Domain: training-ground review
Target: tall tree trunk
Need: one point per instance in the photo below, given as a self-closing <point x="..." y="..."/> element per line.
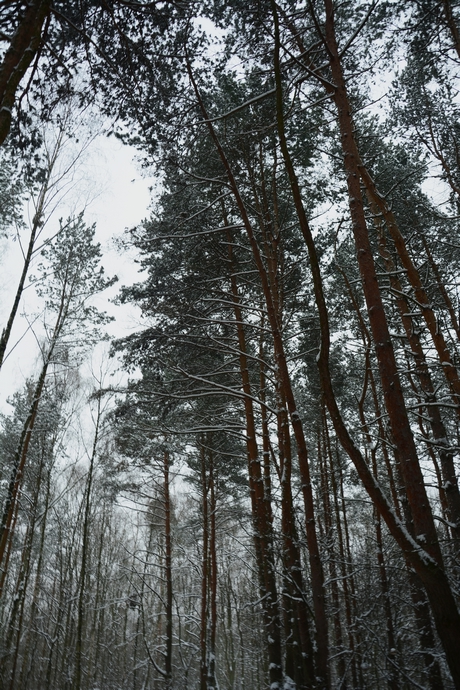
<point x="15" y="627"/>
<point x="450" y="484"/>
<point x="37" y="222"/>
<point x="26" y="435"/>
<point x="266" y="443"/>
<point x="31" y="643"/>
<point x="315" y="559"/>
<point x="204" y="572"/>
<point x="81" y="612"/>
<point x="428" y="567"/>
<point x="212" y="684"/>
<point x="343" y="571"/>
<point x="339" y="654"/>
<point x="260" y="503"/>
<point x="6" y="528"/>
<point x="452" y="25"/>
<point x="440" y="284"/>
<point x="419" y="601"/>
<point x="22" y="50"/>
<point x="317" y="577"/>
<point x="299" y="648"/>
<point x="448" y="367"/>
<point x="445" y="611"/>
<point x="168" y="570"/>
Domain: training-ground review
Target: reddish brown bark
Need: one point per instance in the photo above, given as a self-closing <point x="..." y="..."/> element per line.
<point x="419" y="600"/>
<point x="421" y="296"/>
<point x="315" y="560"/>
<point x="260" y="503"/>
<point x="394" y="400"/>
<point x="266" y="444"/>
<point x="355" y="168"/>
<point x="23" y="48"/>
<point x="441" y="286"/>
<point x="420" y="605"/>
<point x="299" y="650"/>
<point x="452" y="26"/>
<point x="449" y="483"/>
<point x="370" y="380"/>
<point x="435" y="580"/>
<point x="427" y="558"/>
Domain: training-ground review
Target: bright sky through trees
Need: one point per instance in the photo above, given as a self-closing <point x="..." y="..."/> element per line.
<point x="116" y="196"/>
<point x="265" y="496"/>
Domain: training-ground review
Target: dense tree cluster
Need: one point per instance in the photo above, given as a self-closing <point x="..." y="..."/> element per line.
<point x="271" y="499"/>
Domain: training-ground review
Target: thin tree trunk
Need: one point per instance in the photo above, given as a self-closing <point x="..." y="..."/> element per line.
<point x="351" y="575"/>
<point x="204" y="573"/>
<point x="212" y="685"/>
<point x="15" y="630"/>
<point x="30" y="651"/>
<point x="95" y="634"/>
<point x="168" y="571"/>
<point x="9" y="546"/>
<point x="6" y="528"/>
<point x="35" y="230"/>
<point x="23" y="447"/>
<point x="440" y="284"/>
<point x="266" y="444"/>
<point x="81" y="613"/>
<point x="419" y="600"/>
<point x="332" y="565"/>
<point x="260" y="503"/>
<point x="357" y="168"/>
<point x="299" y="648"/>
<point x="315" y="560"/>
<point x="343" y="572"/>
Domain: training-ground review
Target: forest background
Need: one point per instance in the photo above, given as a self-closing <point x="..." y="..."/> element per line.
<point x="255" y="484"/>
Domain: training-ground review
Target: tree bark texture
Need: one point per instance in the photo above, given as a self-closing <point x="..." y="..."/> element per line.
<point x="24" y="46"/>
<point x="443" y="604"/>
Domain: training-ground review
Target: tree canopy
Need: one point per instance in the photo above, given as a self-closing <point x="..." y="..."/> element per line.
<point x="270" y="497"/>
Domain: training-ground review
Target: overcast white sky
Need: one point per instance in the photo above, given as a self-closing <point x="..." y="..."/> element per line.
<point x="118" y="196"/>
